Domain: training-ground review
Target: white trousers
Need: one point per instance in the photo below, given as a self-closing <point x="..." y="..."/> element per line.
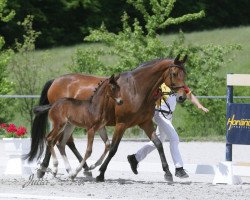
<point x="164" y="129"/>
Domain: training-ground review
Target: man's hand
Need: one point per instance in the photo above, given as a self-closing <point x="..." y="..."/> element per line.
<point x="203" y="108"/>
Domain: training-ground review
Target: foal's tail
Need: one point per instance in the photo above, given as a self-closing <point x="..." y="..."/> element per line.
<point x="38" y="110"/>
<point x="39" y="125"/>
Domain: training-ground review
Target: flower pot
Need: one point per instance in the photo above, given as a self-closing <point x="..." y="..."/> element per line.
<point x="15" y="148"/>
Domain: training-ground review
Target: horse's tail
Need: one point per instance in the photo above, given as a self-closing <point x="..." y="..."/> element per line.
<point x="39" y="126"/>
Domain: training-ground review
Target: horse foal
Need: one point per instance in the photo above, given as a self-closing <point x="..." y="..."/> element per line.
<point x="92" y="114"/>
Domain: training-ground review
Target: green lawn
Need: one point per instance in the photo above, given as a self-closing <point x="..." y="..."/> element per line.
<point x="61" y="57"/>
<point x="224" y="37"/>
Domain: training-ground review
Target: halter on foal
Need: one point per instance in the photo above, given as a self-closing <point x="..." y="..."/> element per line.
<point x="66" y="113"/>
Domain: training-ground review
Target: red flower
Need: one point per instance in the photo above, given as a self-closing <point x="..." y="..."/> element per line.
<point x="12" y="131"/>
<point x="21" y="131"/>
<point x="3" y="125"/>
<point x="12" y="128"/>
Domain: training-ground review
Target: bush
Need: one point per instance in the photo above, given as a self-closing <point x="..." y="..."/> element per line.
<point x="202" y="77"/>
<point x="5" y="55"/>
<point x="27" y="70"/>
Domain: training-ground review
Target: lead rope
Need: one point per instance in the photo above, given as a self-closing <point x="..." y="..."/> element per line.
<point x="164" y="112"/>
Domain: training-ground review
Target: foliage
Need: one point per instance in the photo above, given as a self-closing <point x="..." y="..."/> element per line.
<point x="25" y="69"/>
<point x="5" y="55"/>
<point x="202" y="77"/>
<point x="63" y="22"/>
<point x="136" y="44"/>
<point x="91" y="65"/>
<point x="133" y="45"/>
<point x="11" y="131"/>
<point x="5" y="15"/>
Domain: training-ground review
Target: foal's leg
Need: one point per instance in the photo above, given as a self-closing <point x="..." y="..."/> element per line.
<point x="90" y="135"/>
<point x="58" y="128"/>
<point x="45" y="163"/>
<point x="51" y="143"/>
<point x="105" y="139"/>
<point x="61" y="146"/>
<point x="55" y="160"/>
<point x="148" y="127"/>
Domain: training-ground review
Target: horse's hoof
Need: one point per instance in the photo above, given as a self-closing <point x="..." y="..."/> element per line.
<point x="40" y="173"/>
<point x="54" y="173"/>
<point x="72" y="176"/>
<point x="87" y="173"/>
<point x="100" y="178"/>
<point x="86" y="168"/>
<point x="168" y="177"/>
<point x="92" y="167"/>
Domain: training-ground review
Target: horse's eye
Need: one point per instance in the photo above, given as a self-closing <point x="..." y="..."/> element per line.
<point x="174" y="74"/>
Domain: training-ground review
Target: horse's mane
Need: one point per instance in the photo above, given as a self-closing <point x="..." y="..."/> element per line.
<point x="97" y="88"/>
<point x="151" y="62"/>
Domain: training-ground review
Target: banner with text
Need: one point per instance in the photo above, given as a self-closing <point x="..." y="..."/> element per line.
<point x="238" y="123"/>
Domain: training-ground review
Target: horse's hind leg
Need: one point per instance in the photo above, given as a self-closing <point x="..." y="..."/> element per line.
<point x="67" y="132"/>
<point x="72" y="146"/>
<point x="45" y="163"/>
<point x="148" y="127"/>
<point x="90" y="135"/>
<point x="104" y="136"/>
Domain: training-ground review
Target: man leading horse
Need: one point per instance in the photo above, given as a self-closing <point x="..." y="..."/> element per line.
<point x="137" y="89"/>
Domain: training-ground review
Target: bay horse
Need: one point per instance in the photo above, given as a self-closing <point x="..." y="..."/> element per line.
<point x="92" y="114"/>
<point x="138" y="87"/>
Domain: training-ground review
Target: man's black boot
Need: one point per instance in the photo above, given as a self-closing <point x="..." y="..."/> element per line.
<point x="181" y="173"/>
<point x="133" y="163"/>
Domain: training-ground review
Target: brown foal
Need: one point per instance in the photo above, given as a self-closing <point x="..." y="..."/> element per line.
<point x="92" y="114"/>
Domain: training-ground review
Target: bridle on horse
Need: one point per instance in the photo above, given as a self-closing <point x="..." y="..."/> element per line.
<point x="172" y="91"/>
<point x="164" y="112"/>
<point x="172" y="86"/>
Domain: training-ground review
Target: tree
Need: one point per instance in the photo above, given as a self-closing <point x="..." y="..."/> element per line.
<point x="26" y="68"/>
<point x="5" y="55"/>
<point x="135" y="43"/>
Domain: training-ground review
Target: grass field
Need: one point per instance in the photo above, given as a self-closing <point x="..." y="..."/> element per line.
<point x="224" y="37"/>
<point x="58" y="59"/>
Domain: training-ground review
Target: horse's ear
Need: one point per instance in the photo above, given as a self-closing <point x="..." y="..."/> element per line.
<point x="117" y="77"/>
<point x="176" y="60"/>
<point x="185" y="59"/>
<point x="112" y="79"/>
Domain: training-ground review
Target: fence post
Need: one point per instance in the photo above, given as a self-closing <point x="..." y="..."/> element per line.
<point x="229" y="147"/>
